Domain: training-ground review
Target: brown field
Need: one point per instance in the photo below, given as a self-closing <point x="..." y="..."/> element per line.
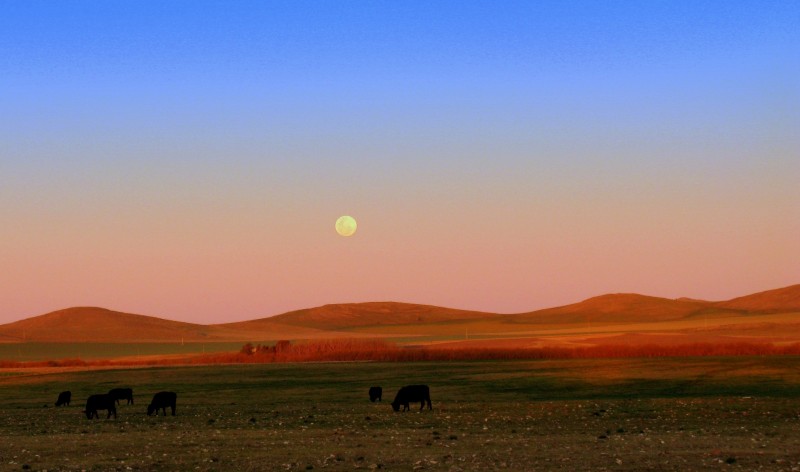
<point x="770" y="318"/>
<point x="622" y="382"/>
<point x="363" y="350"/>
<point x="668" y="414"/>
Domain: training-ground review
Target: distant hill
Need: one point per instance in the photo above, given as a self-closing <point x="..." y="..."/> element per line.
<point x="786" y="299"/>
<point x="91" y="324"/>
<point x="619" y="308"/>
<point x="350" y="315"/>
<point x="766" y="312"/>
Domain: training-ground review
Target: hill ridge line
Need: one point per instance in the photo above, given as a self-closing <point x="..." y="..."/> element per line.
<point x="99" y="324"/>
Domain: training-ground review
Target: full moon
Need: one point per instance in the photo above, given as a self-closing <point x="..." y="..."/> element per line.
<point x="346" y="225"/>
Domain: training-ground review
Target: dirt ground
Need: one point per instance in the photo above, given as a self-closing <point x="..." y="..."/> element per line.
<point x="555" y="415"/>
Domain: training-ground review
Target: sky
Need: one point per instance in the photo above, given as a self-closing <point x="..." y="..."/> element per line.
<point x="188" y="159"/>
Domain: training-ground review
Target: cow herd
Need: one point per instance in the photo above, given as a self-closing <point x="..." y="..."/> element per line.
<point x="163" y="400"/>
<point x="109" y="401"/>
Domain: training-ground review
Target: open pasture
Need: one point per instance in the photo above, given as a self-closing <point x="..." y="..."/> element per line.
<point x="35" y="351"/>
<point x="740" y="413"/>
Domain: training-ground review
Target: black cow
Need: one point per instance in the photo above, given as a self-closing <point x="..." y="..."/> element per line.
<point x="122" y="394"/>
<point x="375" y="394"/>
<point x="64" y="398"/>
<point x="412" y="393"/>
<point x="162" y="400"/>
<point x="101" y="401"/>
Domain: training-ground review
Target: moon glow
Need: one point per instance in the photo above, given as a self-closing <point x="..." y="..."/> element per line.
<point x="346" y="225"/>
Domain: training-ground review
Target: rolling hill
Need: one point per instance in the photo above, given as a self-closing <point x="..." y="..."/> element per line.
<point x="350" y="315"/>
<point x="92" y="324"/>
<point x="767" y="313"/>
<point x="622" y="308"/>
<point x="786" y="299"/>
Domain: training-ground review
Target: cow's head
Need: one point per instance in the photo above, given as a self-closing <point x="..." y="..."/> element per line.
<point x="396" y="406"/>
<point x="89" y="414"/>
<point x="150" y="409"/>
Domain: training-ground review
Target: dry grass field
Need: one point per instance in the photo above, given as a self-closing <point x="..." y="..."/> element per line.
<point x="677" y="414"/>
<point x="771" y="317"/>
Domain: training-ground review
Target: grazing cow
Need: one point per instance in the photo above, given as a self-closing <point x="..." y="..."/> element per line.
<point x="162" y="400"/>
<point x="64" y="398"/>
<point x="412" y="393"/>
<point x="122" y="394"/>
<point x="102" y="401"/>
<point x="375" y="394"/>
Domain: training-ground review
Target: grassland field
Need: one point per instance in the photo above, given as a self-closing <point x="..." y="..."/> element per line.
<point x="737" y="413"/>
<point x="36" y="351"/>
<point x="45" y="351"/>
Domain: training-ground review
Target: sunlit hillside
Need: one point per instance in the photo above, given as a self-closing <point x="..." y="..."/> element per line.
<point x="770" y="316"/>
<point x="784" y="299"/>
<point x="621" y="307"/>
<point x="349" y="315"/>
<point x="91" y="324"/>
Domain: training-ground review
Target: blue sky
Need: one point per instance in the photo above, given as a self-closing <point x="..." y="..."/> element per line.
<point x="465" y="134"/>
